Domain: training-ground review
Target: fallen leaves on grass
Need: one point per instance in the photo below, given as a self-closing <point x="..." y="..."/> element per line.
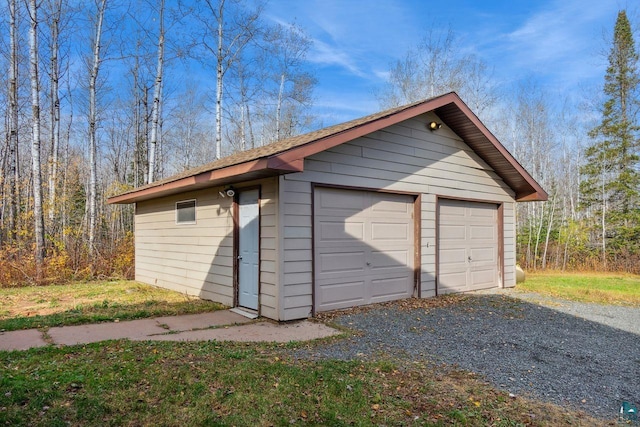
<point x="407" y="304"/>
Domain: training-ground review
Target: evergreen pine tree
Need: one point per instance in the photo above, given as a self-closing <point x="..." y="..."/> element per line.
<point x="611" y="178"/>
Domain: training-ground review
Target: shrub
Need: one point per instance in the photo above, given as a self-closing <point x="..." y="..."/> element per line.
<point x="66" y="260"/>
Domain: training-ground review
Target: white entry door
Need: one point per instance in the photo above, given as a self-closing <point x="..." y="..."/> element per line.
<point x="248" y="249"/>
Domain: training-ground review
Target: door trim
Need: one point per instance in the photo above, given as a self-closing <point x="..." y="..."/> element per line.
<point x="236" y="244"/>
<point x="500" y="220"/>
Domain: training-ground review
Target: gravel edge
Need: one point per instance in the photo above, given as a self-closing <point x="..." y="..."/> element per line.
<point x="585" y="356"/>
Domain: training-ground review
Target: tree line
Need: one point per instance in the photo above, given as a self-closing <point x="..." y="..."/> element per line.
<point x="591" y="172"/>
<point x="102" y="96"/>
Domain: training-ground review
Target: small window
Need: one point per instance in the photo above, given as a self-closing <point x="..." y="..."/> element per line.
<point x="186" y="212"/>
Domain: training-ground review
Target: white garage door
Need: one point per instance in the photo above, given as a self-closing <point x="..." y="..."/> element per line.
<point x="467" y="246"/>
<point x="363" y="247"/>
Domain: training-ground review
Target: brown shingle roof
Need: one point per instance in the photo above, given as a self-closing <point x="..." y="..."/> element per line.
<point x="287" y="155"/>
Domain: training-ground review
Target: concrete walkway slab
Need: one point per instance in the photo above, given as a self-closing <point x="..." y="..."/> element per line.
<point x="85" y="334"/>
<point x="256" y="332"/>
<point x="21" y="340"/>
<point x="222" y="325"/>
<point x="202" y="320"/>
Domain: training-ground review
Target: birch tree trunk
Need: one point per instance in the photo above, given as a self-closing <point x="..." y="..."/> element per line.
<point x="54" y="128"/>
<point x="35" y="143"/>
<point x="219" y="76"/>
<point x="140" y="155"/>
<point x="540" y="226"/>
<point x="64" y="211"/>
<point x="13" y="122"/>
<point x="530" y="215"/>
<point x="93" y="118"/>
<point x="603" y="221"/>
<point x="243" y="137"/>
<point x="279" y="107"/>
<point x="232" y="35"/>
<point x="157" y="97"/>
<point x="549" y="227"/>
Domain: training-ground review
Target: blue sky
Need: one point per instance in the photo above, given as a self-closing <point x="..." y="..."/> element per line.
<point x="557" y="43"/>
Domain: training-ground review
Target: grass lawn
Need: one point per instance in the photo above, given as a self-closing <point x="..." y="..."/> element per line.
<point x="78" y="303"/>
<point x="605" y="288"/>
<point x="210" y="383"/>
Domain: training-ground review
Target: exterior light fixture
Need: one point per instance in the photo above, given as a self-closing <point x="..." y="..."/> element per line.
<point x="434" y="126"/>
<point x="227" y="192"/>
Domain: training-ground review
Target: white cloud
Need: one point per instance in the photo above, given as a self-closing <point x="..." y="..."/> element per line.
<point x="356" y="36"/>
<point x="554" y="42"/>
<point x="563" y="38"/>
<point x="326" y="54"/>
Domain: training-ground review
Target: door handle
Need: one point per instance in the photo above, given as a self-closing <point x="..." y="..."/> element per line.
<point x="469" y="258"/>
<point x="368" y="263"/>
<point x="239" y="257"/>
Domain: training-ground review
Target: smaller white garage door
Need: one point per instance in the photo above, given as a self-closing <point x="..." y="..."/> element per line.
<point x="467" y="246"/>
<point x="363" y="247"/>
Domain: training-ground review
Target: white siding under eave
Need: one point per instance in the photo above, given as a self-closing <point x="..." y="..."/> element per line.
<point x="405" y="157"/>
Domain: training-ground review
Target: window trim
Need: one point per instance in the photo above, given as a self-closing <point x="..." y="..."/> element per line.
<point x="195" y="205"/>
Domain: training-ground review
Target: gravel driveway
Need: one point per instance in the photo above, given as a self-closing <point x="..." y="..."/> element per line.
<point x="542" y="347"/>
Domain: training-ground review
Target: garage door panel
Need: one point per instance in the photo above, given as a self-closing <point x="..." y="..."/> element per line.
<point x="453" y="268"/>
<point x="339" y="201"/>
<point x="341" y="262"/>
<point x="479" y="232"/>
<point x="389" y="288"/>
<point x="389" y="231"/>
<point x="486" y="255"/>
<point x="372" y="240"/>
<point x="452" y="233"/>
<point x="453" y="256"/>
<point x="483" y="278"/>
<point x="451" y="282"/>
<point x="450" y="210"/>
<point x="331" y="231"/>
<point x="481" y="210"/>
<point x="340" y="295"/>
<point x="390" y="204"/>
<point x="467" y="246"/>
<point x="390" y="258"/>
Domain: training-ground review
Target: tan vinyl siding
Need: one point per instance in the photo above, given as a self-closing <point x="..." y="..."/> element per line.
<point x="268" y="249"/>
<point x="296" y="233"/>
<point x="197" y="259"/>
<point x="509" y="245"/>
<point x="428" y="246"/>
<point x="406" y="157"/>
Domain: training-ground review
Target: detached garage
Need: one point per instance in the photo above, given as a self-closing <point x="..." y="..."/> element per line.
<point x="414" y="201"/>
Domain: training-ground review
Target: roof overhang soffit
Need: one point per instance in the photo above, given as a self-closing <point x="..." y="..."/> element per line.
<point x="468" y="126"/>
